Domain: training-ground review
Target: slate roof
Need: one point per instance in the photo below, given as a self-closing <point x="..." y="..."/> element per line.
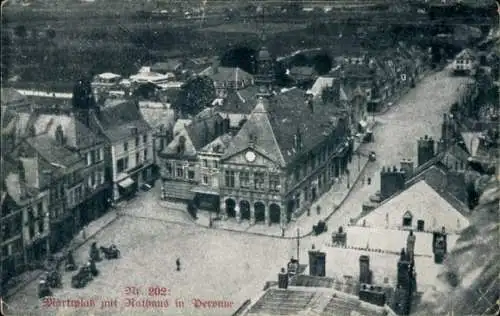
<point x="312" y="301"/>
<point x="11" y="95"/>
<point x="117" y="119"/>
<point x="270" y="124"/>
<point x="423" y="203"/>
<point x="466" y="54"/>
<point x="54" y="153"/>
<point x="77" y="134"/>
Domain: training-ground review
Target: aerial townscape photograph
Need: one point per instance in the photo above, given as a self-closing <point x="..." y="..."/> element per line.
<point x="250" y="157"/>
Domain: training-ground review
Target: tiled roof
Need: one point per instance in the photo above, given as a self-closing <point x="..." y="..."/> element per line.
<point x="312" y="301"/>
<point x="466" y="53"/>
<point x="226" y="74"/>
<point x="117" y="119"/>
<point x="77" y="134"/>
<point x="10" y="95"/>
<point x="54" y="153"/>
<point x="270" y="122"/>
<point x="156" y="117"/>
<point x="189" y="148"/>
<point x="302" y="71"/>
<point x="312" y="281"/>
<point x="423" y="203"/>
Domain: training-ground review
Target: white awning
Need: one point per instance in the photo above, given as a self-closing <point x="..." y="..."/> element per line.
<point x="126" y="183"/>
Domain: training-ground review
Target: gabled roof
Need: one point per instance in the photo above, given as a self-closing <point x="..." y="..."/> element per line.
<point x="203" y="131"/>
<point x="466" y="54"/>
<point x="240" y="101"/>
<point x="424" y="203"/>
<point x="274" y="122"/>
<point x="218" y="145"/>
<point x="54" y="153"/>
<point x="77" y="134"/>
<point x="226" y="74"/>
<point x="116" y="120"/>
<point x="258" y="131"/>
<point x="189" y="150"/>
<point x="11" y="95"/>
<point x="155" y="117"/>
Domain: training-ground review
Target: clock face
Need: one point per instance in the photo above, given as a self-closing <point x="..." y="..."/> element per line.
<point x="250" y="156"/>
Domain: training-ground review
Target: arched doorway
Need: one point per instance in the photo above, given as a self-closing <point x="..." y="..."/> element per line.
<point x="260" y="212"/>
<point x="274" y="213"/>
<point x="289" y="210"/>
<point x="230" y="208"/>
<point x="245" y="209"/>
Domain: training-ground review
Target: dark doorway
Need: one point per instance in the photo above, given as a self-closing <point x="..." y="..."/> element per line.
<point x="245" y="209"/>
<point x="260" y="212"/>
<point x="420" y="225"/>
<point x="274" y="213"/>
<point x="230" y="208"/>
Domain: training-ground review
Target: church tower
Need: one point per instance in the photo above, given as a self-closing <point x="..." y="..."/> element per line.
<point x="264" y="75"/>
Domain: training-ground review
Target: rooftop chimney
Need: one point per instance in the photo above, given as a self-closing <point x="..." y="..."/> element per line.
<point x="425" y="150"/>
<point x="372" y="294"/>
<point x="339" y="238"/>
<point x="439" y="245"/>
<point x="283" y="279"/>
<point x="391" y="181"/>
<point x="410" y="245"/>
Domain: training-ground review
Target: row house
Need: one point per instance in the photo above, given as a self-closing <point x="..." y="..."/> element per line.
<point x="61" y="172"/>
<point x="179" y="161"/>
<point x="24" y="221"/>
<point x="270" y="171"/>
<point x="129" y="152"/>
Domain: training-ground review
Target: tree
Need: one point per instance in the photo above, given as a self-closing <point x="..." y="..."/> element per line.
<point x="196" y="94"/>
<point x="322" y="64"/>
<point x="20" y="31"/>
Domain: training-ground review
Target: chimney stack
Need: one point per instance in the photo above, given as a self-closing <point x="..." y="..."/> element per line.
<point x="407" y="166"/>
<point x="410" y="245"/>
<point x="283" y="279"/>
<point x="372" y="294"/>
<point x="425" y="149"/>
<point x="317" y="262"/>
<point x="391" y="181"/>
<point x="439" y="245"/>
<point x="365" y="274"/>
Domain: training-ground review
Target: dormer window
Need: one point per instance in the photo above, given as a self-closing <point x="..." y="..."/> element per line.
<point x="407" y="219"/>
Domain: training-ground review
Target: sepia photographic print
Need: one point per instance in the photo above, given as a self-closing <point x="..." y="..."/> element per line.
<point x="250" y="157"/>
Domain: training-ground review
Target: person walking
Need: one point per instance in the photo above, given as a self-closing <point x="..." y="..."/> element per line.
<point x="178" y="264"/>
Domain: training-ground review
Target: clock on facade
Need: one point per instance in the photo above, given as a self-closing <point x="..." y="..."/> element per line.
<point x="250" y="156"/>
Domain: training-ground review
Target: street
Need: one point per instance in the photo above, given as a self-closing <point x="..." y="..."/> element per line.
<point x="219" y="265"/>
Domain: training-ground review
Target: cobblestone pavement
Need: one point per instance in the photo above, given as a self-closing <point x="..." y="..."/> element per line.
<point x="215" y="265"/>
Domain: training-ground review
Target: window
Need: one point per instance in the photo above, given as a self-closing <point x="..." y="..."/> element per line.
<point x="145" y="154"/>
<point x="122" y="164"/>
<point x="456" y="165"/>
<point x="190" y="174"/>
<point x="244" y="179"/>
<point x="137" y="141"/>
<point x="40" y="225"/>
<point x="179" y="172"/>
<point x="205" y="163"/>
<point x="274" y="182"/>
<point x="137" y="158"/>
<point x="205" y="179"/>
<point x="259" y="180"/>
<point x="98" y="155"/>
<point x="145" y="139"/>
<point x="407" y="218"/>
<point x="229" y="177"/>
<point x="216" y="164"/>
<point x="296" y="174"/>
<point x="125" y="146"/>
<point x="89" y="159"/>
